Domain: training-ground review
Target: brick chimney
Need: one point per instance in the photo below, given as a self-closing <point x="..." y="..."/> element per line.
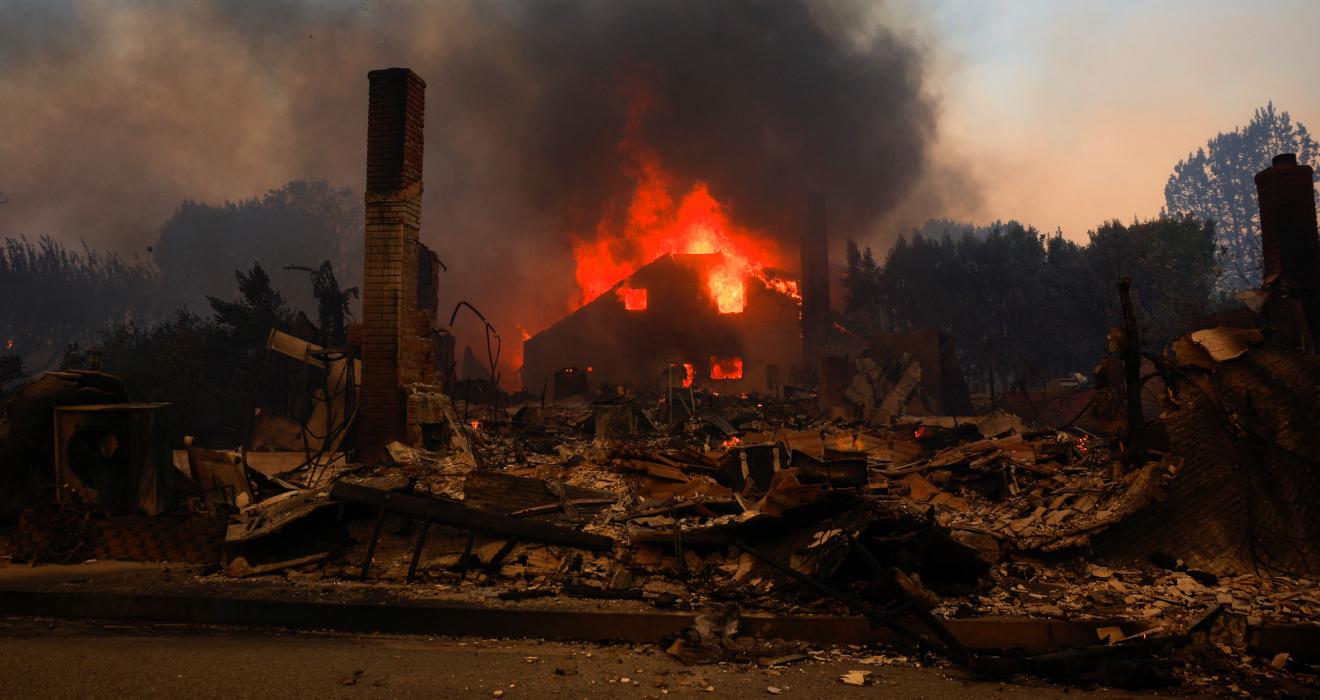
<point x="1290" y="244"/>
<point x="395" y="351"/>
<point x="815" y="286"/>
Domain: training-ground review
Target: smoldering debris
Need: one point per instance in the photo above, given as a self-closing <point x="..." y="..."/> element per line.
<point x="762" y="505"/>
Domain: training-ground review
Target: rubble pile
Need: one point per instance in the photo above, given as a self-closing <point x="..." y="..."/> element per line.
<point x="749" y="504"/>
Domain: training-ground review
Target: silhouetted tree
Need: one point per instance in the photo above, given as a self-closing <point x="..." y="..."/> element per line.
<point x="1024" y="306"/>
<point x="861" y="286"/>
<point x="205" y="367"/>
<point x="331" y="302"/>
<point x="201" y="244"/>
<point x="1217" y="182"/>
<point x="53" y="296"/>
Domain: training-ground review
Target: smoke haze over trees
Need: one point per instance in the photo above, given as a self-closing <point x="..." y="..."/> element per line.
<point x="205" y="366"/>
<point x="763" y="100"/>
<point x="1217" y="182"/>
<point x="1027" y="306"/>
<point x="301" y="223"/>
<point x="53" y="296"/>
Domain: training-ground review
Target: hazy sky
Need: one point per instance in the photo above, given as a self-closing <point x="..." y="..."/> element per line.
<point x="1070" y="113"/>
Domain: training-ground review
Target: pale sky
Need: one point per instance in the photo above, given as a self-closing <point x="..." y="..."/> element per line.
<point x="1070" y="113"/>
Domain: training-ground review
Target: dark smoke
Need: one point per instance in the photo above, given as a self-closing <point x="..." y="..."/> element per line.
<point x="111" y="113"/>
<point x="754" y="98"/>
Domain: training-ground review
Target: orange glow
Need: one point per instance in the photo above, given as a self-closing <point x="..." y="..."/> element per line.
<point x="726" y="368"/>
<point x="9" y="345"/>
<point x="475" y="425"/>
<point x="687" y="381"/>
<point x="789" y="287"/>
<point x="633" y="299"/>
<point x="727" y="444"/>
<point x="657" y="225"/>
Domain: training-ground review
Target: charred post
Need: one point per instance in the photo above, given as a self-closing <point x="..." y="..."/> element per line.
<point x="815" y="286"/>
<point x="1131" y="353"/>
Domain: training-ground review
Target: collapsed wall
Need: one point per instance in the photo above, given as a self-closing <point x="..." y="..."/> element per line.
<point x="1248" y="475"/>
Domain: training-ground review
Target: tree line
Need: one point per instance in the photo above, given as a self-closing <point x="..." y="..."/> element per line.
<point x="188" y="327"/>
<point x="1024" y="307"/>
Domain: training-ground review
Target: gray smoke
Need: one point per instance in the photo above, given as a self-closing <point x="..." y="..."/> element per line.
<point x="111" y="113"/>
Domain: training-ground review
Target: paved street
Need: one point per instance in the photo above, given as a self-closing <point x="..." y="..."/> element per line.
<point x="60" y="659"/>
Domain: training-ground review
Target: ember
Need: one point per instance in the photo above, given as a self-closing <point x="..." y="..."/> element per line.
<point x="726" y="368"/>
<point x="687" y="381"/>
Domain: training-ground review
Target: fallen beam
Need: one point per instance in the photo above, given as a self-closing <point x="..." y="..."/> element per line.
<point x="458" y="516"/>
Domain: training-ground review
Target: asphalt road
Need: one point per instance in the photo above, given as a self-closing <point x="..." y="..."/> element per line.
<point x="41" y="659"/>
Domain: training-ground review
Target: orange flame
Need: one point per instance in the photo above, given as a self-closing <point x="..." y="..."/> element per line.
<point x="633" y="299"/>
<point x="687" y="381"/>
<point x="726" y="368"/>
<point x="656" y="225"/>
<point x="9" y="345"/>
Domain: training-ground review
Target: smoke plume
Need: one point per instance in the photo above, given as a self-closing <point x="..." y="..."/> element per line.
<point x="114" y="112"/>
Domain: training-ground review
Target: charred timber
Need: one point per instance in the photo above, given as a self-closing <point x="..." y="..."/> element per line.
<point x="470" y="519"/>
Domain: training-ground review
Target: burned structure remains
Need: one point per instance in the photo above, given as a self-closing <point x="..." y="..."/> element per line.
<point x="869" y="505"/>
<point x="662" y="316"/>
<point x="663" y="325"/>
<point x="401" y="277"/>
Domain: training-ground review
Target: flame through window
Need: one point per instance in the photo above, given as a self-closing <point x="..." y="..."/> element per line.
<point x="633" y="299"/>
<point x="726" y="368"/>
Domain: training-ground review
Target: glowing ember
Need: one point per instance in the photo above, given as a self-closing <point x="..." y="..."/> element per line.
<point x="789" y="287"/>
<point x="9" y="345"/>
<point x="726" y="368"/>
<point x="728" y="444"/>
<point x="633" y="299"/>
<point x="691" y="373"/>
<point x="475" y="425"/>
<point x="656" y="225"/>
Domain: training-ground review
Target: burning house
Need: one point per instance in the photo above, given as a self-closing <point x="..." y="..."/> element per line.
<point x="666" y="314"/>
<point x="704" y="308"/>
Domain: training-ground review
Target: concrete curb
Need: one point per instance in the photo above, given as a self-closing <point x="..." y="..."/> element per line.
<point x="462" y="621"/>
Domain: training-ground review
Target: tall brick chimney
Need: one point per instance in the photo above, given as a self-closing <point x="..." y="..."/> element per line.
<point x="1290" y="243"/>
<point x="395" y="351"/>
<point x="815" y="286"/>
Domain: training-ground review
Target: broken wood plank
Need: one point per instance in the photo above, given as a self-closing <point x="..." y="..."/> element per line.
<point x="660" y="471"/>
<point x="542" y="510"/>
<point x="239" y="567"/>
<point x="505" y="493"/>
<point x="459" y="516"/>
